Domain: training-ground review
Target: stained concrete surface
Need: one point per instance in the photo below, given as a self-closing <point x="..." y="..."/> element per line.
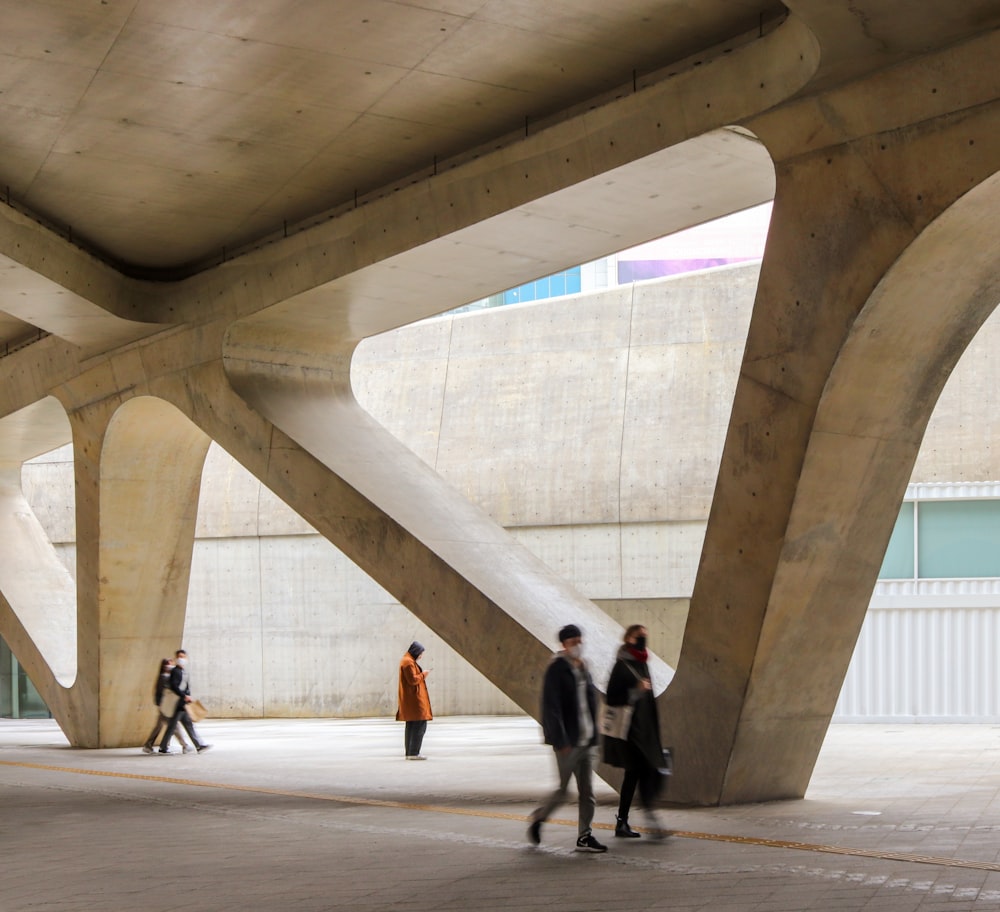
<point x="326" y="814"/>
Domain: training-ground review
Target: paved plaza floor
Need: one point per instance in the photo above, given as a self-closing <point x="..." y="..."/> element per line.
<point x="315" y="814"/>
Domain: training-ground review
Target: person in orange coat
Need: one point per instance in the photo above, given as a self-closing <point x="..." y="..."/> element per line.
<point x="414" y="701"/>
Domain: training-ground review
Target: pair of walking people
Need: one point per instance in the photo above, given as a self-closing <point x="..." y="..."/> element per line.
<point x="172" y="695"/>
<point x="569" y="724"/>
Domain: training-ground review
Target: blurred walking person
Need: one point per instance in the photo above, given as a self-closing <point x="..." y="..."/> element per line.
<point x="162" y="680"/>
<point x="179" y="686"/>
<point x="569" y="723"/>
<point x="640" y="752"/>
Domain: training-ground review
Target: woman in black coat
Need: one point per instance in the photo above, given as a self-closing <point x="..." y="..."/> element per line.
<point x="641" y="755"/>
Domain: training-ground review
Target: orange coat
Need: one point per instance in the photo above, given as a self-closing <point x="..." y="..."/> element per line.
<point x="414" y="701"/>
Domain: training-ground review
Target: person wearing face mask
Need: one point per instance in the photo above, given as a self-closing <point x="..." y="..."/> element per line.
<point x="641" y="754"/>
<point x="414" y="701"/>
<point x="569" y="723"/>
<point x="180" y="685"/>
<point x="162" y="681"/>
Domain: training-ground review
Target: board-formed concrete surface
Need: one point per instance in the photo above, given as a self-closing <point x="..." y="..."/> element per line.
<point x="311" y="815"/>
<point x="225" y="280"/>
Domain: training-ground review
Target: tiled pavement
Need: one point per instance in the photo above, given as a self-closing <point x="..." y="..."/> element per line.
<point x="325" y="814"/>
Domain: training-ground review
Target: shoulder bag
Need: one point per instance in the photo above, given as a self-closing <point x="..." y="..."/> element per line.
<point x="615" y="721"/>
<point x="196" y="710"/>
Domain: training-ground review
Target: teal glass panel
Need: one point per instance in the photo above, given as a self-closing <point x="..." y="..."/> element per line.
<point x="959" y="539"/>
<point x="8" y="681"/>
<point x="30" y="701"/>
<point x="557" y="284"/>
<point x="18" y="697"/>
<point x="898" y="562"/>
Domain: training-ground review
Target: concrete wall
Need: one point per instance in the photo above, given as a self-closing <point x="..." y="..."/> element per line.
<point x="549" y="416"/>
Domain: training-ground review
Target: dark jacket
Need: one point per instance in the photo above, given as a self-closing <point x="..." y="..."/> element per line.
<point x="560" y="712"/>
<point x="180" y="684"/>
<point x="162" y="682"/>
<point x="644" y="732"/>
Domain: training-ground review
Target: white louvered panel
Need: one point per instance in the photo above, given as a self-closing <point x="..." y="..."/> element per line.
<point x="923" y="664"/>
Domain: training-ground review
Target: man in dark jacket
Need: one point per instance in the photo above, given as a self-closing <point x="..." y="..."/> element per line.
<point x="180" y="685"/>
<point x="569" y="722"/>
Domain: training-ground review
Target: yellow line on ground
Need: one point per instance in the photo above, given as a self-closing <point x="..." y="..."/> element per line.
<point x="496" y="815"/>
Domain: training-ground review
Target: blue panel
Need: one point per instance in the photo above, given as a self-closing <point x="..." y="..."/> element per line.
<point x="557" y="284"/>
<point x="573" y="280"/>
<point x="959" y="539"/>
<point x="898" y="562"/>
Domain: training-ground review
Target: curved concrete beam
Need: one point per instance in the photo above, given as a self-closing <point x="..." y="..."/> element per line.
<point x="92" y="650"/>
<point x="843" y="215"/>
<point x="37" y="592"/>
<point x="871" y="418"/>
<point x="441" y="556"/>
<point x="526" y="207"/>
<point x="48" y="282"/>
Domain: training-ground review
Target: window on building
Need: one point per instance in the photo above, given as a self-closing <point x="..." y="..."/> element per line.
<point x="945" y="539"/>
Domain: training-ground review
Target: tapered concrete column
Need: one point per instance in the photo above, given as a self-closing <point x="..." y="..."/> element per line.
<point x="137" y="473"/>
<point x="880" y="266"/>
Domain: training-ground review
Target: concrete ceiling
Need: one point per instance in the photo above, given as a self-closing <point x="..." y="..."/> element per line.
<point x="160" y="132"/>
<point x="166" y="136"/>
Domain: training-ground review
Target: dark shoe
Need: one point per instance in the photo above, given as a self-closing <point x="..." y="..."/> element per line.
<point x="587" y="843"/>
<point x="147" y="748"/>
<point x="624" y="831"/>
<point x="204" y="747"/>
<point x="165" y="752"/>
<point x="535" y="832"/>
<point x="655" y="829"/>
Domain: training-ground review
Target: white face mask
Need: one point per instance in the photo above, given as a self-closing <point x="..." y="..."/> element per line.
<point x="574" y="652"/>
<point x="182" y="662"/>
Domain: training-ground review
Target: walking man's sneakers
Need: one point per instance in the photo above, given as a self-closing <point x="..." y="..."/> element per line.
<point x="587" y="843"/>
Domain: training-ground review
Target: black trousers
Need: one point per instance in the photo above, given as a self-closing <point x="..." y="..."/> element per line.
<point x="184" y="720"/>
<point x="639" y="772"/>
<point x="413" y="737"/>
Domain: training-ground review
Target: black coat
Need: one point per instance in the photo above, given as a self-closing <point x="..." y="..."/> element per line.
<point x="644" y="732"/>
<point x="162" y="681"/>
<point x="179" y="684"/>
<point x="560" y="710"/>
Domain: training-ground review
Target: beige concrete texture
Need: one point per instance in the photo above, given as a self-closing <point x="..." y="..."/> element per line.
<point x="784" y="582"/>
<point x="295" y="591"/>
<point x="878" y="132"/>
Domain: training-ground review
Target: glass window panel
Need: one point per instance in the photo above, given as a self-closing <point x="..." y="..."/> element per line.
<point x="573" y="280"/>
<point x="7" y="681"/>
<point x="557" y="284"/>
<point x="958" y="539"/>
<point x="898" y="562"/>
<point x="30" y="701"/>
